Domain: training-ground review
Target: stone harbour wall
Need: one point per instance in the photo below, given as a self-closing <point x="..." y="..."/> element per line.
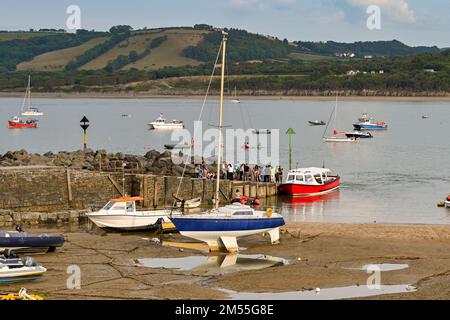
<point x="48" y="194"/>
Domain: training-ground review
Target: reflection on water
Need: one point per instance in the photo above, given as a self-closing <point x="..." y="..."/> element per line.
<point x="324" y="294"/>
<point x="217" y="264"/>
<point x="314" y="208"/>
<point x="383" y="267"/>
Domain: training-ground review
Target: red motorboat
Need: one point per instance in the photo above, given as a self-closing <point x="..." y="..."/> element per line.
<point x="306" y="182"/>
<point x="17" y="123"/>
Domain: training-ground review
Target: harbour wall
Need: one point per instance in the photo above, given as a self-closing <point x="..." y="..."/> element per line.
<point x="45" y="194"/>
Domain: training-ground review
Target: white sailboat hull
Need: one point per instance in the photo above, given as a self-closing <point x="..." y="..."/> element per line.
<point x="447" y="204"/>
<point x="32" y="114"/>
<point x="166" y="126"/>
<point x="338" y="139"/>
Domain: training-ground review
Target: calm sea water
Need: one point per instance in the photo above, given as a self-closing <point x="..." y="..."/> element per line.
<point x="398" y="176"/>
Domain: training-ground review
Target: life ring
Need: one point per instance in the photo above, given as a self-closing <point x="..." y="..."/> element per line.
<point x="269" y="212"/>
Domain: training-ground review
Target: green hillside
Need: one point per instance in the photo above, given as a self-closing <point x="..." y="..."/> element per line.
<point x="392" y="48"/>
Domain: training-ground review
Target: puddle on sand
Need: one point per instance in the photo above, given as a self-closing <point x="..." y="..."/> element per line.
<point x="324" y="294"/>
<point x="383" y="267"/>
<point x="217" y="264"/>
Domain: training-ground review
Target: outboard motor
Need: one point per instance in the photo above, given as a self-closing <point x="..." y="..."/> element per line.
<point x="9" y="254"/>
<point x="29" y="262"/>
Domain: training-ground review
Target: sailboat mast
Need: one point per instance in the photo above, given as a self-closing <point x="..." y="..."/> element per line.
<point x="335" y="112"/>
<point x="219" y="144"/>
<point x="29" y="92"/>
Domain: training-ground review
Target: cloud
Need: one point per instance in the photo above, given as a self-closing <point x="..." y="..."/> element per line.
<point x="261" y="4"/>
<point x="396" y="9"/>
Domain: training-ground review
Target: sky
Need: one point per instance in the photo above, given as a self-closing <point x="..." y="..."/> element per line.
<point x="414" y="22"/>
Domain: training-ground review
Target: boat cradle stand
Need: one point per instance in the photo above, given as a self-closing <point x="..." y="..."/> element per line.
<point x="230" y="244"/>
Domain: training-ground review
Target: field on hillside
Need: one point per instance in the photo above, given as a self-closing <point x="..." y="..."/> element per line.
<point x="57" y="60"/>
<point x="6" y="36"/>
<point x="308" y="56"/>
<point x="169" y="53"/>
<point x="137" y="43"/>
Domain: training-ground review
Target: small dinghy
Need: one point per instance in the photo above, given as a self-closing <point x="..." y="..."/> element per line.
<point x="262" y="131"/>
<point x="189" y="204"/>
<point x="317" y="123"/>
<point x="21" y="242"/>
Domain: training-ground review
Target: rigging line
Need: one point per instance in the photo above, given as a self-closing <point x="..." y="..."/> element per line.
<point x="199" y="118"/>
<point x="328" y="123"/>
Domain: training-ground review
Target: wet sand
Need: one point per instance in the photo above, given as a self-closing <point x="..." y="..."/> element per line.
<point x="326" y="251"/>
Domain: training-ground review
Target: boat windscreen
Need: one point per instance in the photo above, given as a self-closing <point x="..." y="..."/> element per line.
<point x="109" y="205"/>
<point x="243" y="213"/>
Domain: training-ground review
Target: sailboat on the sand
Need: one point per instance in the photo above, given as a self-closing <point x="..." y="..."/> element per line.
<point x="221" y="227"/>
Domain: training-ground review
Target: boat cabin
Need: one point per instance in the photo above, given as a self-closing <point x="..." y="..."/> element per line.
<point x="160" y="119"/>
<point x="309" y="176"/>
<point x="122" y="205"/>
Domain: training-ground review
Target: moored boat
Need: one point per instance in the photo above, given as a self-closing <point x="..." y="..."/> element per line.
<point x="339" y="139"/>
<point x="358" y="135"/>
<point x="317" y="123"/>
<point x="18" y="123"/>
<point x="121" y="214"/>
<point x="336" y="136"/>
<point x="189" y="204"/>
<point x="367" y="123"/>
<point x="24" y="273"/>
<point x="160" y="123"/>
<point x="27" y="109"/>
<point x="21" y="242"/>
<point x="305" y="182"/>
<point x="447" y="202"/>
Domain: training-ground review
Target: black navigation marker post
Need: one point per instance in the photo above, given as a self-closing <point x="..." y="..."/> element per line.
<point x="84" y="124"/>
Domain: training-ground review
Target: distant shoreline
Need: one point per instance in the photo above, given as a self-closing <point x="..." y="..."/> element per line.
<point x="95" y="95"/>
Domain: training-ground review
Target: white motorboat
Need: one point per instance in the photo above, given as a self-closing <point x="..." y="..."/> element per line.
<point x="121" y="213"/>
<point x="161" y="124"/>
<point x="27" y="109"/>
<point x="20" y="271"/>
<point x="221" y="227"/>
<point x="9" y="273"/>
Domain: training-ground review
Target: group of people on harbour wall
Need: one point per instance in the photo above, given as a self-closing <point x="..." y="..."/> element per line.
<point x="242" y="172"/>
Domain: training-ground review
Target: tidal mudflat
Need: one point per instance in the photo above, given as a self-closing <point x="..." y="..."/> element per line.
<point x="310" y="256"/>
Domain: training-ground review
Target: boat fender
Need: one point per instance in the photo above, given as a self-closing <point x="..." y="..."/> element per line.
<point x="448" y="198"/>
<point x="269" y="212"/>
<point x="256" y="202"/>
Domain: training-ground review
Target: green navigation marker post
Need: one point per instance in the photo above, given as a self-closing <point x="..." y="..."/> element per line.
<point x="290" y="132"/>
